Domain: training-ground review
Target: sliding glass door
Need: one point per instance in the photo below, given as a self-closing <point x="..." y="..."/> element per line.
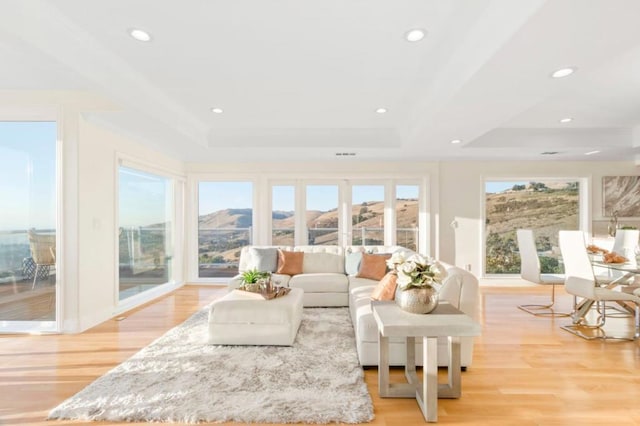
<point x="28" y="226"/>
<point x="146" y="231"/>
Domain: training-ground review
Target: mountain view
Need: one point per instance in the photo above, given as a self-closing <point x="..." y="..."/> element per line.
<point x="223" y="233"/>
<point x="545" y="208"/>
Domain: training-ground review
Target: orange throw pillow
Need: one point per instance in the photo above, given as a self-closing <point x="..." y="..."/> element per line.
<point x="386" y="288"/>
<point x="373" y="266"/>
<point x="290" y="262"/>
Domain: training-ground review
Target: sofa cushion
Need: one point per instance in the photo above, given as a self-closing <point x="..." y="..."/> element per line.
<point x="365" y="325"/>
<point x="373" y="266"/>
<point x="263" y="259"/>
<point x="352" y="262"/>
<point x="322" y="263"/>
<point x="289" y="262"/>
<point x="320" y="283"/>
<point x="386" y="288"/>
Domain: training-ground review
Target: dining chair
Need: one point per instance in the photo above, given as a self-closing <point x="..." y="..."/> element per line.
<point x="42" y="252"/>
<point x="626" y="242"/>
<point x="581" y="283"/>
<point x="530" y="271"/>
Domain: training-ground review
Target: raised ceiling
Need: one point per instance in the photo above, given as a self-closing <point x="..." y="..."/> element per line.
<point x="301" y="80"/>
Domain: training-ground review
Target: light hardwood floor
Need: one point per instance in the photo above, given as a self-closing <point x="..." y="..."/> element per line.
<point x="526" y="370"/>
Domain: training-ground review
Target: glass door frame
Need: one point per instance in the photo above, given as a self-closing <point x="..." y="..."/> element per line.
<point x="177" y="203"/>
<point x="46" y="114"/>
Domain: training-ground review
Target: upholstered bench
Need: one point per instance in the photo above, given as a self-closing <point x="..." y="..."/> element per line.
<point x="243" y="318"/>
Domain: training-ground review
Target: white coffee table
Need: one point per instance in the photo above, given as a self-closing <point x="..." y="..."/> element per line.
<point x="244" y="318"/>
<point x="444" y="321"/>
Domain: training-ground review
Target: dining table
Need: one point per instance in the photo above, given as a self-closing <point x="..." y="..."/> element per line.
<point x="619" y="273"/>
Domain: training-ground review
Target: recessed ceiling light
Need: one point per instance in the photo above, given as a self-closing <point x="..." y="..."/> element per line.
<point x="415" y="34"/>
<point x="217" y="110"/>
<point x="591" y="152"/>
<point x="563" y="72"/>
<point x="381" y="110"/>
<point x="566" y="120"/>
<point x="456" y="141"/>
<point x="139" y="34"/>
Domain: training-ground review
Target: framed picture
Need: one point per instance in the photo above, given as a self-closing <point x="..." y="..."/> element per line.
<point x="621" y="194"/>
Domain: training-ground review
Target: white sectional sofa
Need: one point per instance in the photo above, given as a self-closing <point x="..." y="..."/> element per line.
<point x="329" y="279"/>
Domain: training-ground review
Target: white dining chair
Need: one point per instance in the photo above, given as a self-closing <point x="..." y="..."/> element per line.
<point x="530" y="271"/>
<point x="626" y="242"/>
<point x="580" y="282"/>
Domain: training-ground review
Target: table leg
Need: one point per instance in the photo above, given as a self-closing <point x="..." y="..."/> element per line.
<point x="427" y="394"/>
<point x="383" y="365"/>
<point x="396" y="390"/>
<point x="453" y="389"/>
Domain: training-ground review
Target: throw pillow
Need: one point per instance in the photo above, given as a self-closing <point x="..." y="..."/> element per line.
<point x="352" y="262"/>
<point x="386" y="288"/>
<point x="263" y="259"/>
<point x="290" y="262"/>
<point x="373" y="266"/>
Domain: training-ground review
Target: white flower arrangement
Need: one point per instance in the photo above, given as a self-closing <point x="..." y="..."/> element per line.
<point x="416" y="271"/>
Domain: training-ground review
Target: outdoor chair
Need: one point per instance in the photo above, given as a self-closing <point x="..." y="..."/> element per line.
<point x="43" y="252"/>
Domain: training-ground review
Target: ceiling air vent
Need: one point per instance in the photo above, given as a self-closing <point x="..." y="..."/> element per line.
<point x="345" y="154"/>
<point x="550" y="153"/>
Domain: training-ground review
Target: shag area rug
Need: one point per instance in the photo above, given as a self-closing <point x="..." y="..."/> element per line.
<point x="181" y="378"/>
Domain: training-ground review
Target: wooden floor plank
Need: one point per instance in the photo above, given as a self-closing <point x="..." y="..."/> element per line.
<point x="526" y="370"/>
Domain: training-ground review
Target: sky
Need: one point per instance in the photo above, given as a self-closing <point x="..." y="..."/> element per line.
<point x="143" y="198"/>
<point x="216" y="196"/>
<point x="27" y="175"/>
<point x="493" y="186"/>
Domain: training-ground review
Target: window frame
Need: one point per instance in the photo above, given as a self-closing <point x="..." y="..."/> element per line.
<point x="51" y="115"/>
<point x="584" y="210"/>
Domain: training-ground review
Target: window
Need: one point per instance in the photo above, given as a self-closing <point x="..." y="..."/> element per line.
<point x="407" y="216"/>
<point x="28" y="231"/>
<point x="546" y="206"/>
<point x="225" y="224"/>
<point x="322" y="215"/>
<point x="145" y="249"/>
<point x="283" y="199"/>
<point x="367" y="214"/>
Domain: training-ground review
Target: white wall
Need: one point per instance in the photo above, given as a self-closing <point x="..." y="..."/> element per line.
<point x="97" y="195"/>
<point x="462" y="191"/>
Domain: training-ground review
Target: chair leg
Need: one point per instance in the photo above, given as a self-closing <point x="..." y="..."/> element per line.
<point x="587" y="331"/>
<point x="35" y="277"/>
<point x="544" y="310"/>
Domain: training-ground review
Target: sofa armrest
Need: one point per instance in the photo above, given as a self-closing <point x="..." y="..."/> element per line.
<point x="461" y="289"/>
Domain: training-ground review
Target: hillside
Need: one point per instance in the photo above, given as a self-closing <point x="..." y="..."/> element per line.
<point x="222" y="234"/>
<point x="546" y="211"/>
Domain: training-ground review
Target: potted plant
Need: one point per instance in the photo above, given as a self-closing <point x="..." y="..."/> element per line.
<point x="418" y="278"/>
<point x="251" y="279"/>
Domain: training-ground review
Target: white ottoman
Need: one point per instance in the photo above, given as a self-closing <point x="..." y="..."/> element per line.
<point x="243" y="318"/>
